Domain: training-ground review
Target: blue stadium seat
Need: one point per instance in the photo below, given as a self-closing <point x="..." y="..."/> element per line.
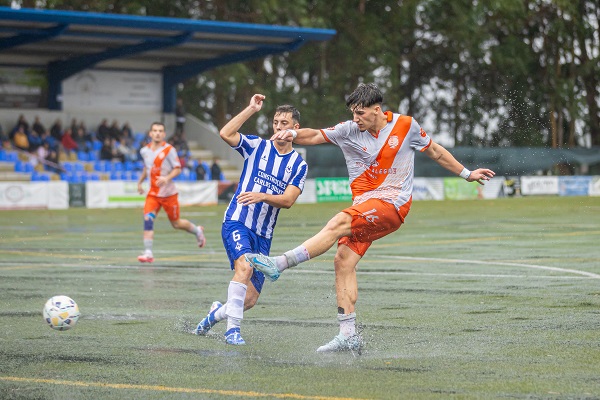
<point x="69" y="167"/>
<point x="82" y="156"/>
<point x="93" y="176"/>
<point x="3" y="155"/>
<point x="115" y="176"/>
<point x="129" y="166"/>
<point x="44" y="177"/>
<point x="117" y="166"/>
<point x="93" y="155"/>
<point x="19" y="166"/>
<point x="134" y="175"/>
<point x="12" y="156"/>
<point x="139" y="165"/>
<point x="97" y="145"/>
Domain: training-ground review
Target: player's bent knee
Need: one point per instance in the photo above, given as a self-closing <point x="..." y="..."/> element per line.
<point x="149" y="221"/>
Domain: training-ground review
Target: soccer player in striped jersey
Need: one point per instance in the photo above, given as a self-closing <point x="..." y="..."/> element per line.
<point x="379" y="148"/>
<point x="162" y="164"/>
<point x="273" y="178"/>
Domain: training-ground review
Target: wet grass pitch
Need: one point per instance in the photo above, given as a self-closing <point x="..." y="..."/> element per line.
<point x="469" y="299"/>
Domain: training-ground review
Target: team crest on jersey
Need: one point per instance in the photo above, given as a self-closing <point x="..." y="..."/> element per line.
<point x="288" y="169"/>
<point x="393" y="142"/>
<point x="161" y="155"/>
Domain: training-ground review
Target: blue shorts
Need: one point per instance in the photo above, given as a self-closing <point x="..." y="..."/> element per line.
<point x="238" y="240"/>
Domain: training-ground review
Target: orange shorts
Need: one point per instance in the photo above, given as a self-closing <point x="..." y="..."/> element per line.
<point x="372" y="220"/>
<point x="170" y="204"/>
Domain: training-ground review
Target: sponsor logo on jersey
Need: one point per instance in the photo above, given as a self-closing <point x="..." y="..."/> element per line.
<point x="423" y="134"/>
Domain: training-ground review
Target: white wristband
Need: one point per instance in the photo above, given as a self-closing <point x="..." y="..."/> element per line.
<point x="294" y="133"/>
<point x="465" y="173"/>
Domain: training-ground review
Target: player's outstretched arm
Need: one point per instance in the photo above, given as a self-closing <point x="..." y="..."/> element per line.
<point x="443" y="157"/>
<point x="305" y="136"/>
<point x="229" y="133"/>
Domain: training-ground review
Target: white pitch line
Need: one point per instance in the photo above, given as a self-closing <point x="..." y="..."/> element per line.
<point x="556" y="269"/>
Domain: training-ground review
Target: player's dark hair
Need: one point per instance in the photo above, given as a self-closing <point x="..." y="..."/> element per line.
<point x="365" y="95"/>
<point x="158" y="123"/>
<point x="286" y="108"/>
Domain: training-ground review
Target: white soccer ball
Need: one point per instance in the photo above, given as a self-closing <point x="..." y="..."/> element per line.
<point x="61" y="313"/>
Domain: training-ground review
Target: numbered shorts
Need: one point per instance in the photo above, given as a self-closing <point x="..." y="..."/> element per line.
<point x="372" y="220"/>
<point x="239" y="240"/>
<point x="170" y="204"/>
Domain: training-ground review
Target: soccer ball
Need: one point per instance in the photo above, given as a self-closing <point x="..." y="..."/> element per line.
<point x="61" y="313"/>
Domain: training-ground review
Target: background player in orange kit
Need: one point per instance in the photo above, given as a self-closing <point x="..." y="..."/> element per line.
<point x="379" y="148"/>
<point x="162" y="164"/>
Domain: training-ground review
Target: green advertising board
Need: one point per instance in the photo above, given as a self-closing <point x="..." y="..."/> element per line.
<point x="459" y="189"/>
<point x="333" y="189"/>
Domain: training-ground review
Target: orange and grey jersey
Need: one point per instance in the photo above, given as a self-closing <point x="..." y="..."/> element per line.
<point x="380" y="166"/>
<point x="160" y="162"/>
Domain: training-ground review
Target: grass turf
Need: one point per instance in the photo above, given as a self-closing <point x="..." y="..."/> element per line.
<point x="469" y="299"/>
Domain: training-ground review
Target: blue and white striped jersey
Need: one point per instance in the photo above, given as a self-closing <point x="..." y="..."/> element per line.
<point x="265" y="171"/>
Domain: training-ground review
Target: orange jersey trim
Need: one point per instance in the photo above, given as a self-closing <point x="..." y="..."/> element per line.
<point x="155" y="172"/>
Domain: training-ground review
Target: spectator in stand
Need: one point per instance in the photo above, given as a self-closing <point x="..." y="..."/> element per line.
<point x="40" y="154"/>
<point x="68" y="143"/>
<point x="126" y="148"/>
<point x="73" y="126"/>
<point x="215" y="170"/>
<point x="22" y="121"/>
<point x="126" y="130"/>
<point x="103" y="131"/>
<point x="89" y="137"/>
<point x="200" y="172"/>
<point x="56" y="130"/>
<point x="52" y="162"/>
<point x="38" y="127"/>
<point x="4" y="140"/>
<point x="79" y="136"/>
<point x="179" y="116"/>
<point x="115" y="131"/>
<point x="20" y="139"/>
<point x="35" y="141"/>
<point x="110" y="152"/>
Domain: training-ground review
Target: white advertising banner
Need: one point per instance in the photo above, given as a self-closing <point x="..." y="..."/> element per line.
<point x="31" y="195"/>
<point x="117" y="194"/>
<point x="493" y="188"/>
<point x="428" y="189"/>
<point x="98" y="91"/>
<point x="539" y="185"/>
<point x="594" y="189"/>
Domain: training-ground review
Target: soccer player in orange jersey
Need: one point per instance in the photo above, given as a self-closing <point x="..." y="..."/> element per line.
<point x="379" y="148"/>
<point x="162" y="164"/>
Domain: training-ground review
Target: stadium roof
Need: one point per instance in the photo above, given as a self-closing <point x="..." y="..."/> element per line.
<point x="68" y="42"/>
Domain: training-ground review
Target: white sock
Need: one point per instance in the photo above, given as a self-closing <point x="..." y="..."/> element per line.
<point x="235" y="304"/>
<point x="148" y="246"/>
<point x="347" y="324"/>
<point x="193" y="229"/>
<point x="221" y="313"/>
<point x="292" y="258"/>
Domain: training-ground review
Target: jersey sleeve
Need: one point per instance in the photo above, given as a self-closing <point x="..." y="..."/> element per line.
<point x="300" y="176"/>
<point x="419" y="139"/>
<point x="247" y="145"/>
<point x="337" y="133"/>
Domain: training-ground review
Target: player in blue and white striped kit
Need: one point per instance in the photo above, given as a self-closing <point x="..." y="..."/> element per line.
<point x="272" y="179"/>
